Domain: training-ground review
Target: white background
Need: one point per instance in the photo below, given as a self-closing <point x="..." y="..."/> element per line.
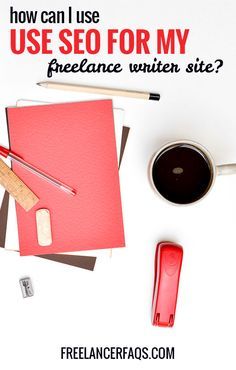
<point x="111" y="306"/>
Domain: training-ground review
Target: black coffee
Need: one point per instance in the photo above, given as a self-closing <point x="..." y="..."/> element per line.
<point x="182" y="174"/>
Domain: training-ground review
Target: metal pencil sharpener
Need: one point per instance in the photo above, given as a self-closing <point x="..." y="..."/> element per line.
<point x="26" y="287"/>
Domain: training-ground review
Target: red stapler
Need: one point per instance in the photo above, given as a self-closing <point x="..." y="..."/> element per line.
<point x="168" y="261"/>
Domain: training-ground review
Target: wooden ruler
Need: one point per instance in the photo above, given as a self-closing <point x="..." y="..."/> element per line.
<point x="16" y="187"/>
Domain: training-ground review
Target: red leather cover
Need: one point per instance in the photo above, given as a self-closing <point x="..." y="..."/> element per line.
<point x="75" y="143"/>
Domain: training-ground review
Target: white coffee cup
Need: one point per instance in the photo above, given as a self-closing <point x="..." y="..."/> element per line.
<point x="166" y="181"/>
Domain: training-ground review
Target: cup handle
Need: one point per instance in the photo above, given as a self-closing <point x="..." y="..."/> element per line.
<point x="226" y="169"/>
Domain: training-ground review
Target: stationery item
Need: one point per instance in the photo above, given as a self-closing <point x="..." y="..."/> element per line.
<point x="8" y="154"/>
<point x="80" y="137"/>
<point x="121" y="140"/>
<point x="125" y="134"/>
<point x="183" y="172"/>
<point x="12" y="239"/>
<point x="85" y="262"/>
<point x="100" y="90"/>
<point x="44" y="231"/>
<point x="168" y="262"/>
<point x="16" y="187"/>
<point x="118" y="119"/>
<point x="3" y="219"/>
<point x="26" y="287"/>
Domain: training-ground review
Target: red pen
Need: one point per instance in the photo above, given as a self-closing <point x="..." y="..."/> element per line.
<point x="7" y="153"/>
<point x="168" y="262"/>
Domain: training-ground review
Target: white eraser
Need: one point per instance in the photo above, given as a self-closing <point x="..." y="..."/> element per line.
<point x="44" y="232"/>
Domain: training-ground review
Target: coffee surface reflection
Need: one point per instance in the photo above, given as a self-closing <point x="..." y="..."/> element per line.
<point x="182" y="173"/>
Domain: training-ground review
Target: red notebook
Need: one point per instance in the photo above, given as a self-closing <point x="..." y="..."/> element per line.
<point x="74" y="143"/>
